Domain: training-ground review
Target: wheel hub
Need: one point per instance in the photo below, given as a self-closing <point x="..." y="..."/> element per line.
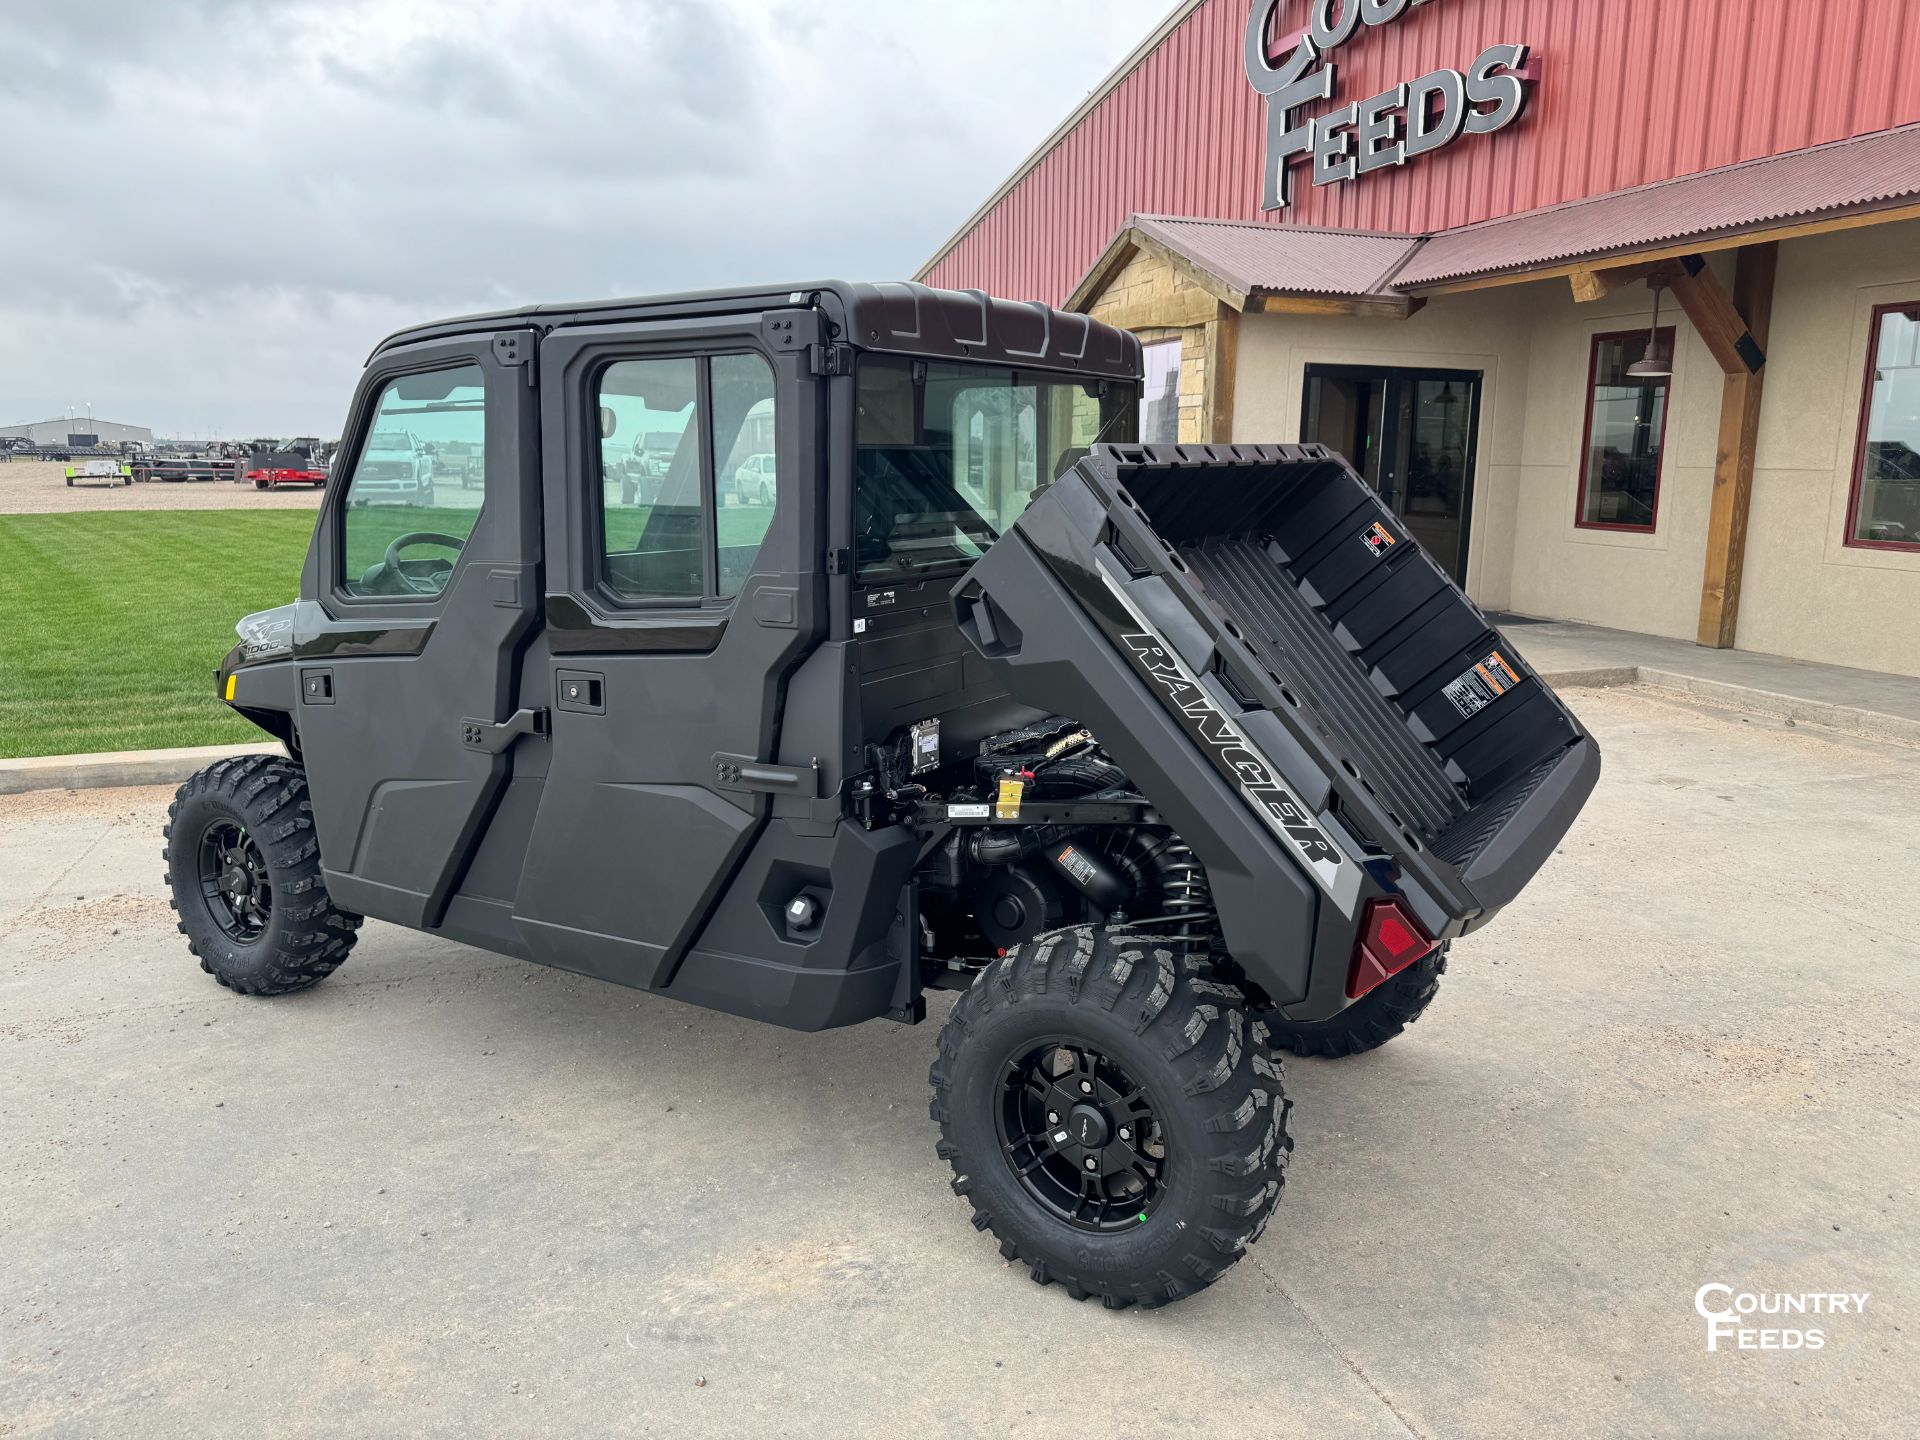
<point x="1080" y="1136"/>
<point x="1088" y="1126"/>
<point x="233" y="880"/>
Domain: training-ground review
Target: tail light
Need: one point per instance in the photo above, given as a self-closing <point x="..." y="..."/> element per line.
<point x="1390" y="941"/>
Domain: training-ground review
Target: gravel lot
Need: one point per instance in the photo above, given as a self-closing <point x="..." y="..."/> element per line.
<point x="39" y="487"/>
<point x="446" y="1193"/>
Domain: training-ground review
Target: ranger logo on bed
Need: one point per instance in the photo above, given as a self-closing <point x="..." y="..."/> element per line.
<point x="1232" y="752"/>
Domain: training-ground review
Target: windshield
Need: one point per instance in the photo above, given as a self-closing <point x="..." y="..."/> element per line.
<point x="389" y="440"/>
<point x="947" y="456"/>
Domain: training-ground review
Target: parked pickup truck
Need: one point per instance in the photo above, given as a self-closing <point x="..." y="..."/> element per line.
<point x="1165" y="758"/>
<point x="393" y="469"/>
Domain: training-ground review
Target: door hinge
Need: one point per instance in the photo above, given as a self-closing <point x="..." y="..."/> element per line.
<point x="515" y="349"/>
<point x="493" y="736"/>
<point x="839" y="560"/>
<point x="829" y="359"/>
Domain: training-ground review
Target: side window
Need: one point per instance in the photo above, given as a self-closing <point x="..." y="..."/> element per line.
<point x="417" y="485"/>
<point x="744" y="473"/>
<point x="1160" y="397"/>
<point x="1885" y="506"/>
<point x="682" y="439"/>
<point x="1626" y="432"/>
<point x="651" y="530"/>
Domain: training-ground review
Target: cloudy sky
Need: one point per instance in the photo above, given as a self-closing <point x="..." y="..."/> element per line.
<point x="210" y="210"/>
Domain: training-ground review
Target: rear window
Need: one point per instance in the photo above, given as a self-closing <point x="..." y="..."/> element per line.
<point x="948" y="456"/>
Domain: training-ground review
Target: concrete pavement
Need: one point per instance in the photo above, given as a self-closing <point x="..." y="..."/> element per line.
<point x="447" y="1193"/>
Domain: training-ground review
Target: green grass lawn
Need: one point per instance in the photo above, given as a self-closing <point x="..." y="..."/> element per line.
<point x="111" y="623"/>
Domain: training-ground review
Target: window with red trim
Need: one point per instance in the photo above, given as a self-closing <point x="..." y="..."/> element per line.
<point x="1626" y="430"/>
<point x="1884" y="511"/>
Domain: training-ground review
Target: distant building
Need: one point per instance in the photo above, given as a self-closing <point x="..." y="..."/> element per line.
<point x="76" y="430"/>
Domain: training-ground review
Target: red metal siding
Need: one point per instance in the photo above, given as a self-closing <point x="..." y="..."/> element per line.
<point x="1624" y="92"/>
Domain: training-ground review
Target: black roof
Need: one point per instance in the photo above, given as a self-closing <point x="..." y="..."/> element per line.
<point x="894" y="316"/>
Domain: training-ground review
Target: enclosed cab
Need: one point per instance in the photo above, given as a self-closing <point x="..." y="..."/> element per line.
<point x="800" y="652"/>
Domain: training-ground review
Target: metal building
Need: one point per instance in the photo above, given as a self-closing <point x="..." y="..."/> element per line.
<point x="1616" y="301"/>
<point x="76" y="430"/>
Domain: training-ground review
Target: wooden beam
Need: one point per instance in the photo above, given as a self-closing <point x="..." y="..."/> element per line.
<point x="1735" y="350"/>
<point x="1752" y="304"/>
<point x="1701" y="245"/>
<point x="1375" y="307"/>
<point x="1590" y="285"/>
<point x="1223" y="360"/>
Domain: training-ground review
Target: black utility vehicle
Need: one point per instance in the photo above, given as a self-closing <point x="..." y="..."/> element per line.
<point x="1164" y="756"/>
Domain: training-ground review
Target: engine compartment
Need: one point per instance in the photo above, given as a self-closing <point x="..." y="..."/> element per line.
<point x="1036" y="830"/>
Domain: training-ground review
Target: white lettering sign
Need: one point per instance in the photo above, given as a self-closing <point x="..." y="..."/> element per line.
<point x="1414" y="118"/>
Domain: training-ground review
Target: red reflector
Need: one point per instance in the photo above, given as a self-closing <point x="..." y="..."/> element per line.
<point x="1390" y="941"/>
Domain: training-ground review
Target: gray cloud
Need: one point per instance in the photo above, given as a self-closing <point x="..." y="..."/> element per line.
<point x="211" y="209"/>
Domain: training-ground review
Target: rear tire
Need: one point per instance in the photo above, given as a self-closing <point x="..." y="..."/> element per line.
<point x="244" y="867"/>
<point x="1373" y="1019"/>
<point x="1137" y="1019"/>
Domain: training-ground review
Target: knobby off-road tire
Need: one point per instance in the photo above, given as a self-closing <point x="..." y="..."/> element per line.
<point x="1373" y="1019"/>
<point x="1202" y="1068"/>
<point x="268" y="927"/>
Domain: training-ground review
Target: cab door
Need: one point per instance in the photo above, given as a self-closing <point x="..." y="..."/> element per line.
<point x="679" y="602"/>
<point x="425" y="590"/>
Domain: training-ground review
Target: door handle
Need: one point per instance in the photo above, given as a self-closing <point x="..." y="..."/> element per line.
<point x="494" y="736"/>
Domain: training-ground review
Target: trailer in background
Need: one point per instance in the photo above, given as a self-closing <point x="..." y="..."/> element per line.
<point x="270" y="468"/>
<point x="177" y="468"/>
<point x="100" y="472"/>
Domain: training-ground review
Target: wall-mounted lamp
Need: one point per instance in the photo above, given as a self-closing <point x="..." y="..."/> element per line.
<point x="1653" y="365"/>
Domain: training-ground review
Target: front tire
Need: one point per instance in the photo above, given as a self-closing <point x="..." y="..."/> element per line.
<point x="244" y="868"/>
<point x="1161" y="1142"/>
<point x="1373" y="1019"/>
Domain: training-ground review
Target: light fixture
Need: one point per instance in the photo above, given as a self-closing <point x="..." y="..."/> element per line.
<point x="1653" y="365"/>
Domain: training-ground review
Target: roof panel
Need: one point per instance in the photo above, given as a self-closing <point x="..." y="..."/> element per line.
<point x="1296" y="260"/>
<point x="1869" y="170"/>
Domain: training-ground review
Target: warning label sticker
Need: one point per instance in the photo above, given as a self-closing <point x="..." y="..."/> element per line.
<point x="1483" y="684"/>
<point x="1377" y="538"/>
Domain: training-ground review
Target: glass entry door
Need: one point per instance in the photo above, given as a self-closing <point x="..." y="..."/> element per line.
<point x="1411" y="434"/>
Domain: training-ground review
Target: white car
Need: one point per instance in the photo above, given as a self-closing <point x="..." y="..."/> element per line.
<point x="755" y="481"/>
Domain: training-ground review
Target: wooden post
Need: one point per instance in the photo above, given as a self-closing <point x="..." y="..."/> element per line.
<point x="1223" y="356"/>
<point x="1739" y="433"/>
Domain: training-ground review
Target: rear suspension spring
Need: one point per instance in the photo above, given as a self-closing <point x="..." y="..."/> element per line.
<point x="1185" y="892"/>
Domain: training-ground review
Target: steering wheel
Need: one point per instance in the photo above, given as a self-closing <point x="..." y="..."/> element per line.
<point x="435" y="580"/>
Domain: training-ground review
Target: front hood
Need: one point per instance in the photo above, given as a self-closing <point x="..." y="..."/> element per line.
<point x="264" y="635"/>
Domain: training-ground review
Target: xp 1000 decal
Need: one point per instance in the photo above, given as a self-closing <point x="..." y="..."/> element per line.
<point x="1238" y="758"/>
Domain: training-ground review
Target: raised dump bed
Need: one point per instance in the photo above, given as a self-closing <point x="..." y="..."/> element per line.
<point x="1352" y="664"/>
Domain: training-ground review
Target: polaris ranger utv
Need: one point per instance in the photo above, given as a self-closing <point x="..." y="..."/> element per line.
<point x="1165" y="757"/>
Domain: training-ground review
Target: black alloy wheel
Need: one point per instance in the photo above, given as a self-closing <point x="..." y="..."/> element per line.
<point x="1081" y="1136"/>
<point x="243" y="866"/>
<point x="234" y="881"/>
<point x="1112" y="1114"/>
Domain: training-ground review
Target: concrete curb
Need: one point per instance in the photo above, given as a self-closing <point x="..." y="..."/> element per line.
<point x="1849" y="719"/>
<point x="119" y="767"/>
<point x="170" y="767"/>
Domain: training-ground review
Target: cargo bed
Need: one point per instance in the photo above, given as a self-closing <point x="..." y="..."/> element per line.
<point x="1301" y="621"/>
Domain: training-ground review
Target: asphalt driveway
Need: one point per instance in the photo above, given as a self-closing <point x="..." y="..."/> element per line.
<point x="446" y="1193"/>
